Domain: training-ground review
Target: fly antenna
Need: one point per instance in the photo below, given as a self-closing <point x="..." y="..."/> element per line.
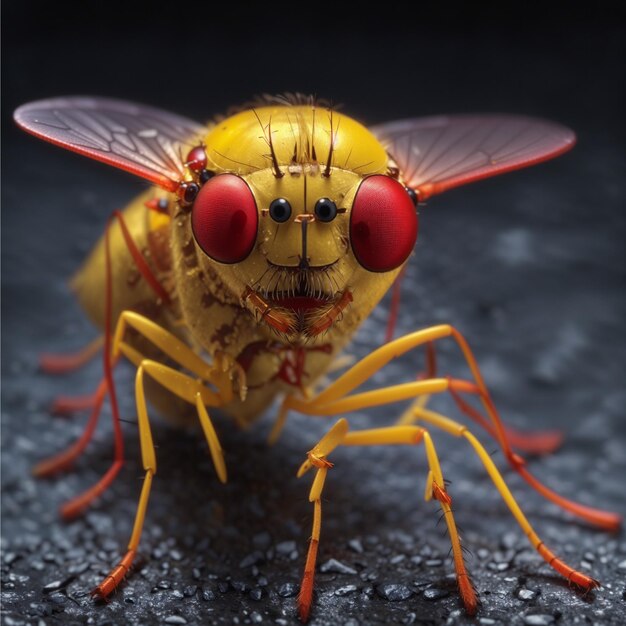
<point x="277" y="172"/>
<point x="331" y="147"/>
<point x="268" y="140"/>
<point x="313" y="155"/>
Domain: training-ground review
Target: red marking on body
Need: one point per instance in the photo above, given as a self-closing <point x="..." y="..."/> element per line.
<point x="159" y="248"/>
<point x="291" y="369"/>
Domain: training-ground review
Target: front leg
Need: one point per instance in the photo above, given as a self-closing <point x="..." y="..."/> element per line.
<point x="435" y="489"/>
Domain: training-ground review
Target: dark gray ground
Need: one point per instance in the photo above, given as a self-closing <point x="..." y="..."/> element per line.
<point x="531" y="267"/>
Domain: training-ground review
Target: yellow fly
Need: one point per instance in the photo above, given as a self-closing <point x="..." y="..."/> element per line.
<point x="270" y="236"/>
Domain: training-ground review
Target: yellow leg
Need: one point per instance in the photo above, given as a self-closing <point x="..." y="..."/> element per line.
<point x="435" y="488"/>
<point x="459" y="430"/>
<point x="221" y="373"/>
<point x="148" y="457"/>
<point x="279" y="424"/>
<point x="393" y="435"/>
<point x="188" y="389"/>
<point x="317" y="458"/>
<point x="337" y="398"/>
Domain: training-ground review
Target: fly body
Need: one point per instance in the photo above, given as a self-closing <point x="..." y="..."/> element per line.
<point x="270" y="235"/>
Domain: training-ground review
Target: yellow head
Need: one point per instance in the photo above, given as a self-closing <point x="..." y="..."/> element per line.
<point x="301" y="221"/>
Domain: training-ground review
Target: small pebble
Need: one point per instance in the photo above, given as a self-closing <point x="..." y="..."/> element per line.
<point x="252" y="559"/>
<point x="163" y="584"/>
<point x="498" y="567"/>
<point x="55" y="585"/>
<point x="345" y="590"/>
<point x="190" y="590"/>
<point x="176" y="555"/>
<point x="434" y="562"/>
<point x="526" y="594"/>
<point x="539" y="620"/>
<point x="432" y="593"/>
<point x="223" y="586"/>
<point x="208" y="595"/>
<point x="239" y="586"/>
<point x="288" y="590"/>
<point x="286" y="547"/>
<point x="394" y="593"/>
<point x="175" y="619"/>
<point x="78" y="568"/>
<point x="262" y="540"/>
<point x="177" y="594"/>
<point x="397" y="559"/>
<point x="622" y="565"/>
<point x="256" y="593"/>
<point x="256" y="617"/>
<point x="333" y="565"/>
<point x="356" y="545"/>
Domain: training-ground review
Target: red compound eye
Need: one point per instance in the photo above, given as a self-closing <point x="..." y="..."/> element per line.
<point x="224" y="219"/>
<point x="383" y="224"/>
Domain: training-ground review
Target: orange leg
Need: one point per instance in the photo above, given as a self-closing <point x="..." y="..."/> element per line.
<point x="68" y="405"/>
<point x="76" y="505"/>
<point x="64" y="363"/>
<point x="540" y="442"/>
<point x="394" y="307"/>
<point x="63" y="460"/>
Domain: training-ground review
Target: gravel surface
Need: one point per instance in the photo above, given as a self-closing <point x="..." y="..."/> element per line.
<point x="530" y="268"/>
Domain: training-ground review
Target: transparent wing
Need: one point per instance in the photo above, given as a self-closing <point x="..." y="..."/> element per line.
<point x="139" y="139"/>
<point x="435" y="154"/>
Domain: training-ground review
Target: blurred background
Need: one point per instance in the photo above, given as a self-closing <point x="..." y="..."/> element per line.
<point x="530" y="266"/>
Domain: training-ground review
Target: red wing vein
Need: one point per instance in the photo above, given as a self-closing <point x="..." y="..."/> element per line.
<point x="439" y="133"/>
<point x="445" y="150"/>
<point x="519" y="150"/>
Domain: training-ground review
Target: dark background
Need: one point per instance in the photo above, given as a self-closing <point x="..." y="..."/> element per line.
<point x="530" y="266"/>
